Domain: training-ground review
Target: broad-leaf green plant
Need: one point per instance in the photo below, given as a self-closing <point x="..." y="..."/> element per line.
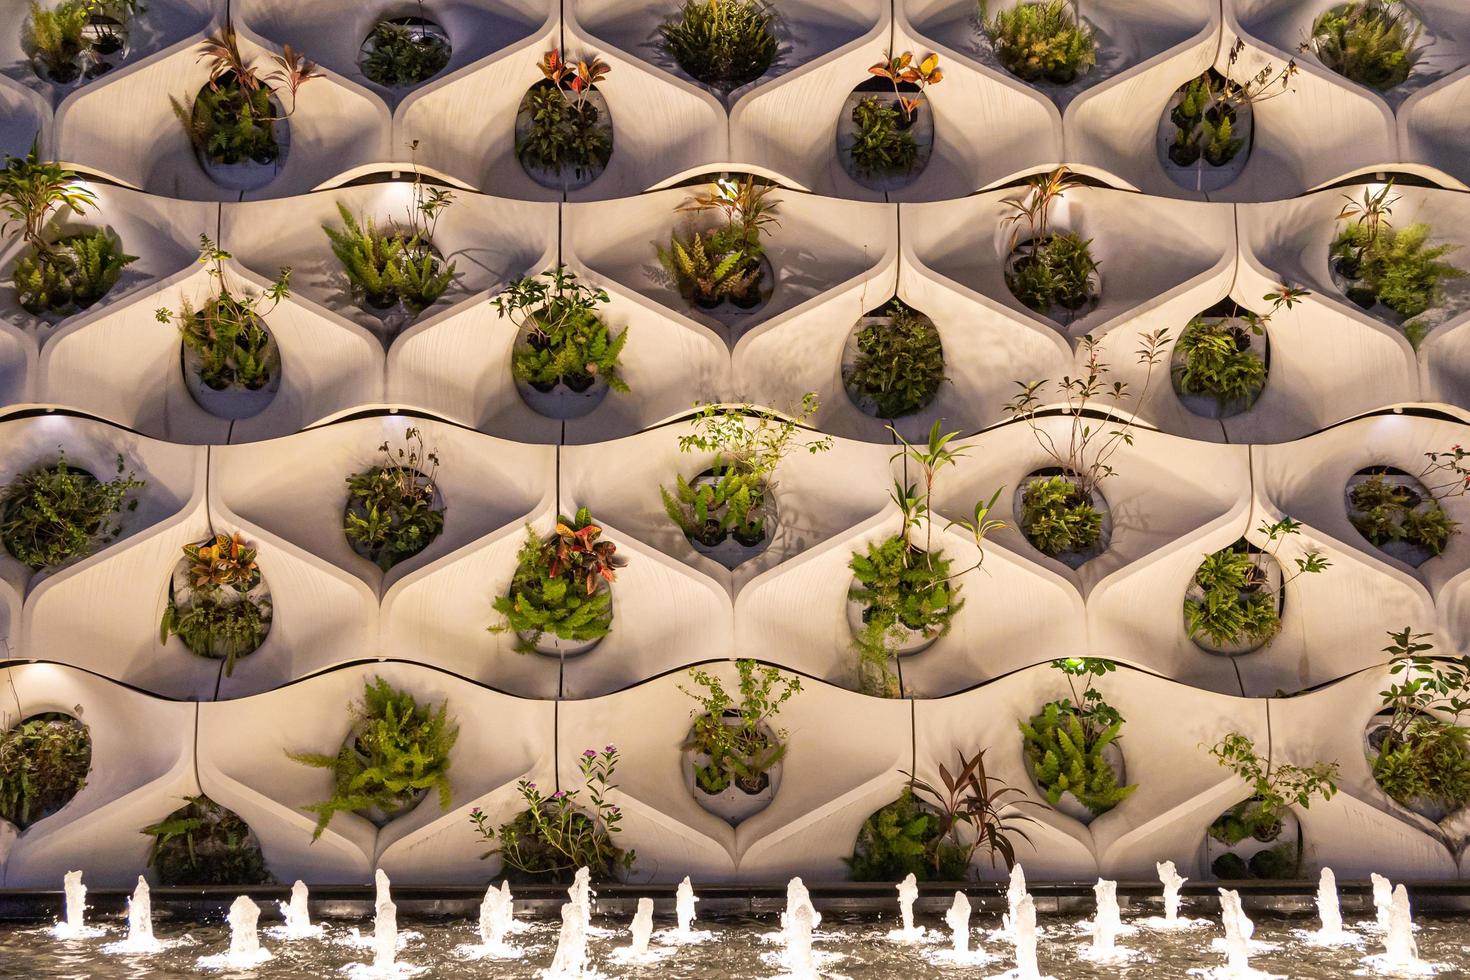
<point x="55" y="512"/>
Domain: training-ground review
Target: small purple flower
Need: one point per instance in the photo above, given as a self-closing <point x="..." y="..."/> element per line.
<point x="558" y="794"/>
<point x="530" y="786"/>
<point x="589" y="754"/>
<point x="477" y="812"/>
<point x="610" y="749"/>
<point x="614" y="809"/>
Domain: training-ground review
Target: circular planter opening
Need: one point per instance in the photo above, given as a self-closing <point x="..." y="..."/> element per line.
<point x="913" y="641"/>
<point x="567" y="398"/>
<point x="72" y="303"/>
<point x="551" y="645"/>
<point x="1068" y="802"/>
<point x="1361" y="295"/>
<point x="1059" y="79"/>
<point x="67" y="747"/>
<point x="222" y="849"/>
<point x="231" y="401"/>
<point x="401" y="52"/>
<point x="735" y="802"/>
<point x="733" y="313"/>
<point x="381" y="816"/>
<point x="728" y="548"/>
<point x="183" y="596"/>
<point x="881" y="344"/>
<point x="104" y="46"/>
<point x="1435" y="810"/>
<point x="1380" y="501"/>
<point x="1276" y="857"/>
<point x="9" y="505"/>
<point x="1323" y="45"/>
<point x="1206" y="403"/>
<point x="1269" y="576"/>
<point x="1064" y="309"/>
<point x="1192" y="168"/>
<point x="909" y="139"/>
<point x="390" y="308"/>
<point x="356" y="508"/>
<point x="569" y="177"/>
<point x="243" y="173"/>
<point x="1071" y="557"/>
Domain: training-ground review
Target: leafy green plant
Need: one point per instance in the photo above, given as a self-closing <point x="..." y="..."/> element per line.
<point x="55" y="512"/>
<point x="901" y="839"/>
<point x="1041" y="40"/>
<point x="1398" y="268"/>
<point x="899" y="362"/>
<point x="228" y="333"/>
<point x="748" y="444"/>
<point x="737" y="738"/>
<point x="1371" y="42"/>
<point x="217" y="617"/>
<point x="560" y="585"/>
<point x="1208" y="112"/>
<point x="202" y="843"/>
<point x="1384" y="511"/>
<point x="44" y="762"/>
<point x="1065" y="743"/>
<point x="232" y="120"/>
<point x="724" y="262"/>
<point x="903" y="69"/>
<point x="1221" y="144"/>
<point x="567" y="342"/>
<point x="1056" y="517"/>
<point x="1056" y="271"/>
<point x="722" y="43"/>
<point x="555" y="835"/>
<point x="404" y="54"/>
<point x="1237" y="603"/>
<point x="391" y="508"/>
<point x="971" y="805"/>
<point x="881" y="147"/>
<point x="566" y="130"/>
<point x="1217" y="361"/>
<point x="54" y="38"/>
<point x="395" y="754"/>
<point x="1423" y="754"/>
<point x="1274" y="789"/>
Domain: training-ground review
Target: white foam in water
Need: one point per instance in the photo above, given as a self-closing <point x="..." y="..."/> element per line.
<point x="140" y="940"/>
<point x="1237" y="944"/>
<point x="245" y="949"/>
<point x="73" y="925"/>
<point x="1107" y="925"/>
<point x="1169" y="876"/>
<point x="1329" y="913"/>
<point x="297" y="916"/>
<point x="641" y="930"/>
<point x="684" y="933"/>
<point x="908" y="891"/>
<point x="1021" y="925"/>
<point x="570" y="962"/>
<point x="1400" y="956"/>
<point x="497" y="920"/>
<point x="959" y="952"/>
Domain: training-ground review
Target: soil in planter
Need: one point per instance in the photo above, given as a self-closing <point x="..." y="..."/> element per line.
<point x="52" y="754"/>
<point x="1268" y="577"/>
<point x="1062" y="298"/>
<point x="1222" y="319"/>
<point x="1396" y="514"/>
<point x="1076" y="556"/>
<point x="893" y="362"/>
<point x="209" y="845"/>
<point x="413" y="50"/>
<point x="591" y="130"/>
<point x="880" y="145"/>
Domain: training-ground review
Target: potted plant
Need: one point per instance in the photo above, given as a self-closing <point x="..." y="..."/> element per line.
<point x="1071" y="746"/>
<point x="722" y="43"/>
<point x="1063" y="512"/>
<point x="561" y="587"/>
<point x="563" y="129"/>
<point x="395" y="270"/>
<point x="394" y="510"/>
<point x="1402" y="515"/>
<point x="401" y="52"/>
<point x="884" y="142"/>
<point x="1051" y="272"/>
<point x="1233" y="602"/>
<point x="231" y="363"/>
<point x="395" y="753"/>
<point x="1396" y="274"/>
<point x="556" y="835"/>
<point x="1260" y="837"/>
<point x="1216" y="367"/>
<point x="1419" y="751"/>
<point x="565" y="358"/>
<point x="1211" y="119"/>
<point x="56" y="512"/>
<point x="936" y="839"/>
<point x="44" y="761"/>
<point x="202" y="843"/>
<point x="62" y="275"/>
<point x="237" y="123"/>
<point x="1041" y="40"/>
<point x="218" y="602"/>
<point x="733" y="754"/>
<point x="1371" y="42"/>
<point x="726" y="263"/>
<point x="905" y="596"/>
<point x="734" y="497"/>
<point x="894" y="363"/>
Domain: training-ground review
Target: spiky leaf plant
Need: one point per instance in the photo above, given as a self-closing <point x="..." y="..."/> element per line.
<point x="722" y="43"/>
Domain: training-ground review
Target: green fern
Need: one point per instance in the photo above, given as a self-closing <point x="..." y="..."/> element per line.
<point x="1064" y="760"/>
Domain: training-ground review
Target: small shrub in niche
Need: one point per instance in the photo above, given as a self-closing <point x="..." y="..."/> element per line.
<point x="560" y="585"/>
<point x="1057" y="517"/>
<point x="404" y="53"/>
<point x="567" y="132"/>
<point x="218" y="616"/>
<point x="1422" y="755"/>
<point x="566" y="340"/>
<point x="44" y="761"/>
<point x="737" y="738"/>
<point x="901" y="839"/>
<point x="1275" y="789"/>
<point x="202" y="843"/>
<point x="1384" y="511"/>
<point x="55" y="512"/>
<point x="1208" y="115"/>
<point x="1371" y="42"/>
<point x="722" y="43"/>
<point x="1398" y="268"/>
<point x="557" y="834"/>
<point x="1048" y="269"/>
<point x="723" y="263"/>
<point x="72" y="272"/>
<point x="1237" y="603"/>
<point x="899" y="362"/>
<point x="54" y="39"/>
<point x="1066" y="742"/>
<point x="883" y="141"/>
<point x="395" y="754"/>
<point x="1041" y="40"/>
<point x="1216" y="356"/>
<point x="391" y="513"/>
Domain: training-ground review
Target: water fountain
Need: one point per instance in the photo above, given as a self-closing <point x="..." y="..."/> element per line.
<point x="385" y="930"/>
<point x="958" y="920"/>
<point x="1331" y="933"/>
<point x="640" y="932"/>
<point x="1022" y="927"/>
<point x="798" y="924"/>
<point x="74" y="926"/>
<point x="797" y="897"/>
<point x="245" y="950"/>
<point x="1237" y="943"/>
<point x="497" y="915"/>
<point x="684" y="906"/>
<point x="297" y="916"/>
<point x="1106" y="926"/>
<point x="570" y="962"/>
<point x="1400" y="954"/>
<point x="1015" y="891"/>
<point x="1382" y="900"/>
<point x="908" y="891"/>
<point x="1173" y="882"/>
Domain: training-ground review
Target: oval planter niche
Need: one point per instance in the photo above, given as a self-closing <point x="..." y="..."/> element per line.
<point x="916" y="127"/>
<point x="1072" y="558"/>
<point x="735" y="803"/>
